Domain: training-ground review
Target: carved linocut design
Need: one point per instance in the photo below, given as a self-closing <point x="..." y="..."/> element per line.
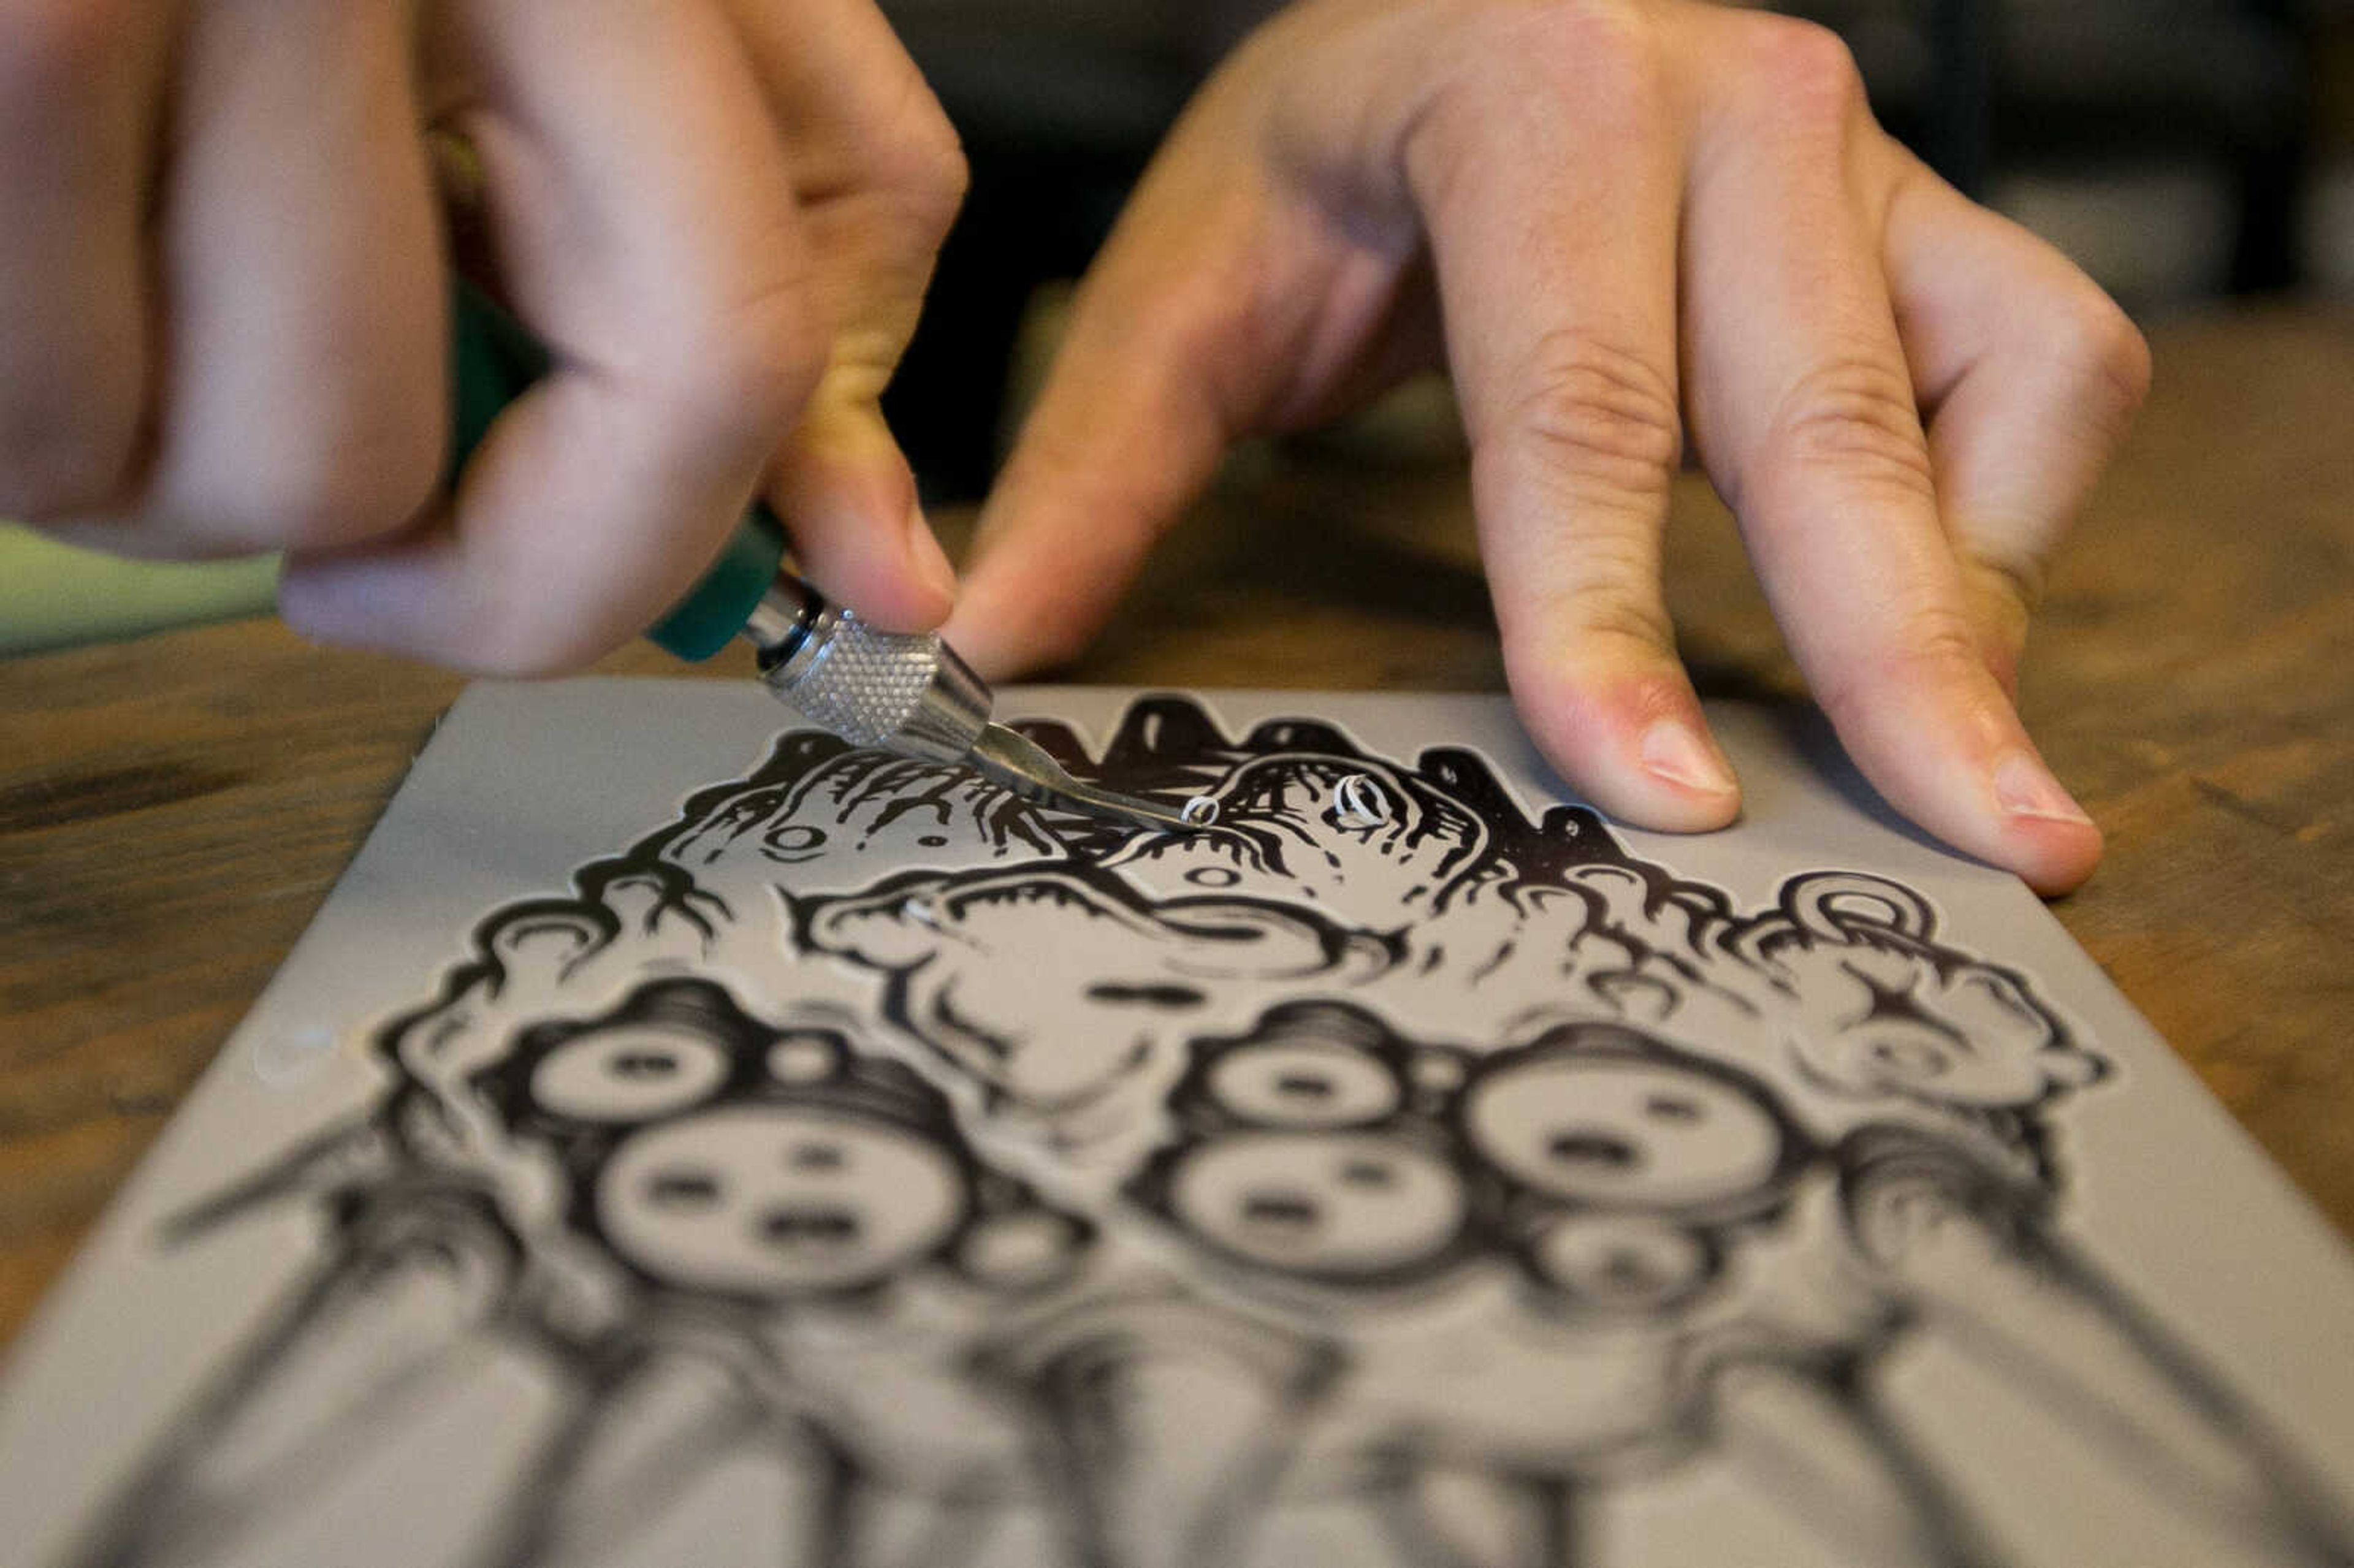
<point x="1384" y="1168"/>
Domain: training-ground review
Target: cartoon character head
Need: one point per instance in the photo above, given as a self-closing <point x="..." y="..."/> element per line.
<point x="1127" y="979"/>
<point x="1311" y="1149"/>
<point x="1599" y="1117"/>
<point x="1607" y="1171"/>
<point x="706" y="1152"/>
<point x="1048" y="971"/>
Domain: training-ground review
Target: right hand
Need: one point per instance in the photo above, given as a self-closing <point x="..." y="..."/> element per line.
<point x="223" y="298"/>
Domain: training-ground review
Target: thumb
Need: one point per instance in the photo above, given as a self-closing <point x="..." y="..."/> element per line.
<point x="848" y="498"/>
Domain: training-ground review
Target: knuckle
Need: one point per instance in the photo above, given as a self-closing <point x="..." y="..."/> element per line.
<point x="908" y="164"/>
<point x="1934" y="650"/>
<point x="1855" y="417"/>
<point x="930" y="174"/>
<point x="1804" y="74"/>
<point x="1606" y="48"/>
<point x="1606" y="609"/>
<point x="1596" y="62"/>
<point x="2108" y="356"/>
<point x="1601" y="422"/>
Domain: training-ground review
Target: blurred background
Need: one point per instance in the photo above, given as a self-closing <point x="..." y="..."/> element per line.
<point x="2189" y="154"/>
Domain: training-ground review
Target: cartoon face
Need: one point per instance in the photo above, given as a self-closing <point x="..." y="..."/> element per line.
<point x="1125" y="983"/>
<point x="1618" y="1131"/>
<point x="1333" y="830"/>
<point x="1880" y="1020"/>
<point x="681" y="1138"/>
<point x="1351" y="1206"/>
<point x="769" y="1200"/>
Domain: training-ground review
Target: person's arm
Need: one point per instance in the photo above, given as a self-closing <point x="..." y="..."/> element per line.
<point x="1629" y="224"/>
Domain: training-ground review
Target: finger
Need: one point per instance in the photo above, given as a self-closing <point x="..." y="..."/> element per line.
<point x="2032" y="375"/>
<point x="1557" y="275"/>
<point x="1129" y="426"/>
<point x="301" y="388"/>
<point x="859" y="533"/>
<point x="77" y="83"/>
<point x="642" y="217"/>
<point x="879" y="175"/>
<point x="1804" y="406"/>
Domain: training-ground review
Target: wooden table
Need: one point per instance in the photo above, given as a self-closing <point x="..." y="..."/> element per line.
<point x="172" y="810"/>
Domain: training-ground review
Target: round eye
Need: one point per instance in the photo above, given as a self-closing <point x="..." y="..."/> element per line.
<point x="1622" y="1263"/>
<point x="1213" y="876"/>
<point x="1352" y="1206"/>
<point x="629" y="1072"/>
<point x="1303" y="1084"/>
<point x="1623" y="1134"/>
<point x="794" y="840"/>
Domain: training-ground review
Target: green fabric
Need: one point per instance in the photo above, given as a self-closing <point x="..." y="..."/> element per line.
<point x="52" y="596"/>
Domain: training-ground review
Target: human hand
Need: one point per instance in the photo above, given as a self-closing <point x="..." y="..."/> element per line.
<point x="1634" y="219"/>
<point x="223" y="298"/>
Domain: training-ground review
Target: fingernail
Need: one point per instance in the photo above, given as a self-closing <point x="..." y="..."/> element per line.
<point x="1675" y="752"/>
<point x="924" y="552"/>
<point x="2024" y="787"/>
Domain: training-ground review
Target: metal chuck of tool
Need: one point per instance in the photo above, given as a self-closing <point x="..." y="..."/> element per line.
<point x="910" y="693"/>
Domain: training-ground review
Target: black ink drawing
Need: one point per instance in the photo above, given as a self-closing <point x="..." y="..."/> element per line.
<point x="1379" y="1164"/>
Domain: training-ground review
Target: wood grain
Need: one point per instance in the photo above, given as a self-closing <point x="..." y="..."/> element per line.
<point x="171" y="810"/>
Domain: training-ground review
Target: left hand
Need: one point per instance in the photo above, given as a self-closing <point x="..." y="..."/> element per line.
<point x="1632" y="220"/>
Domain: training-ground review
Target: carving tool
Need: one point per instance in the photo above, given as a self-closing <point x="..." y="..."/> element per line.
<point x="908" y="694"/>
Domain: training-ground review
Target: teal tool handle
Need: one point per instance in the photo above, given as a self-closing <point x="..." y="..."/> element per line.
<point x="492" y="360"/>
